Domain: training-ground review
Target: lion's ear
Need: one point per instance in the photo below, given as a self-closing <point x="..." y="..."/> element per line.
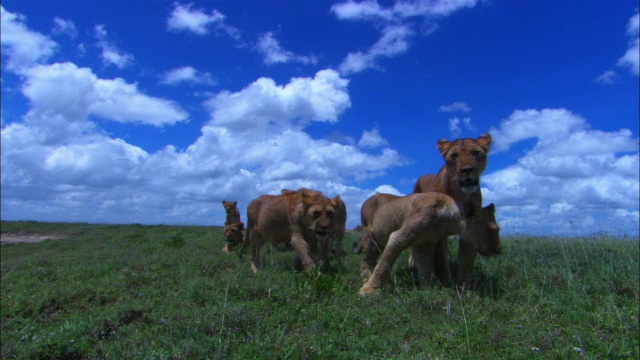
<point x="491" y="208"/>
<point x="485" y="141"/>
<point x="235" y="203"/>
<point x="444" y="145"/>
<point x="336" y="201"/>
<point x="240" y="226"/>
<point x="224" y="202"/>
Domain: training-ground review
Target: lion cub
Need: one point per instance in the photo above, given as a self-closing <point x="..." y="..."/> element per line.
<point x="233" y="214"/>
<point x="233" y="227"/>
<point x="305" y="219"/>
<point x="421" y="221"/>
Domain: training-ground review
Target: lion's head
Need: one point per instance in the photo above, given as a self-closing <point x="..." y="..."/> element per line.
<point x="234" y="235"/>
<point x="465" y="160"/>
<point x="229" y="207"/>
<point x="484" y="232"/>
<point x="319" y="213"/>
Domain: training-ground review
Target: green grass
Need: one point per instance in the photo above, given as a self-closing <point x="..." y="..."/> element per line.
<point x="168" y="292"/>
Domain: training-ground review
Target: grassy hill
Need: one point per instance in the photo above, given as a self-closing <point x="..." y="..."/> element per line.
<point x="168" y="292"/>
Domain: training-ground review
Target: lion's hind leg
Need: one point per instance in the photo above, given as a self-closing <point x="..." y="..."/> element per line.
<point x="370" y="253"/>
<point x="397" y="243"/>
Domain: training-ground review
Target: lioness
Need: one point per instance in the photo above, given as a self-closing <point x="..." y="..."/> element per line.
<point x="304" y="219"/>
<point x="341" y="219"/>
<point x="420" y="221"/>
<point x="233" y="214"/>
<point x="465" y="160"/>
<point x="234" y="234"/>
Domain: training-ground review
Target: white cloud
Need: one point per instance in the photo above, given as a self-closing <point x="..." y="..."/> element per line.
<point x="22" y="47"/>
<point x="273" y="53"/>
<point x="263" y="103"/>
<point x="75" y="93"/>
<point x="185" y="18"/>
<point x="61" y="26"/>
<point x="397" y="26"/>
<point x="607" y="77"/>
<point x="574" y="180"/>
<point x="630" y="58"/>
<point x="454" y="125"/>
<point x="371" y="139"/>
<point x="388" y="189"/>
<point x="394" y="41"/>
<point x="111" y="54"/>
<point x="187" y="74"/>
<point x="457" y="106"/>
<point x="58" y="165"/>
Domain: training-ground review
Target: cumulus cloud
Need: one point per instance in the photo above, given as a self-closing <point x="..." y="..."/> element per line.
<point x="574" y="179"/>
<point x="630" y="58"/>
<point x="22" y="47"/>
<point x="264" y="103"/>
<point x="75" y="93"/>
<point x="455" y="107"/>
<point x="187" y="74"/>
<point x="397" y="23"/>
<point x="197" y="21"/>
<point x="111" y="54"/>
<point x="59" y="165"/>
<point x="273" y="53"/>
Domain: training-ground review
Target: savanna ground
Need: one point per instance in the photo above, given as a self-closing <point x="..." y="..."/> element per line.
<point x="168" y="292"/>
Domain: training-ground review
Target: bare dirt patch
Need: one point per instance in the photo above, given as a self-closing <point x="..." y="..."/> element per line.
<point x="27" y="237"/>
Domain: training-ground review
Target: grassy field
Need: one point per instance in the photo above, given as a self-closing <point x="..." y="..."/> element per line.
<point x="168" y="292"/>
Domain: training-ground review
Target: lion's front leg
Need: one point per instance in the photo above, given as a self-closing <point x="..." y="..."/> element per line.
<point x="301" y="248"/>
<point x="397" y="243"/>
<point x="466" y="257"/>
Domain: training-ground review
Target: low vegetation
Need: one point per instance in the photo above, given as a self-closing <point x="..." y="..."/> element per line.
<point x="168" y="292"/>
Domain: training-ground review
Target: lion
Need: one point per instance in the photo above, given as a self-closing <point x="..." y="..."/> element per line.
<point x="341" y="220"/>
<point x="421" y="221"/>
<point x="234" y="235"/>
<point x="304" y="219"/>
<point x="465" y="160"/>
<point x="233" y="214"/>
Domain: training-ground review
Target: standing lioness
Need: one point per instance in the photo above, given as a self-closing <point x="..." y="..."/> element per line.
<point x="304" y="219"/>
<point x="465" y="160"/>
<point x="420" y="221"/>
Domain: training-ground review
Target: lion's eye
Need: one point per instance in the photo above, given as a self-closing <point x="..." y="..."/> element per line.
<point x="475" y="153"/>
<point x="453" y="156"/>
<point x="316" y="214"/>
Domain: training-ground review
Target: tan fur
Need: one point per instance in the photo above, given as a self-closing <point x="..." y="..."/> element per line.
<point x="234" y="235"/>
<point x="341" y="219"/>
<point x="304" y="219"/>
<point x="465" y="160"/>
<point x="420" y="221"/>
<point x="233" y="214"/>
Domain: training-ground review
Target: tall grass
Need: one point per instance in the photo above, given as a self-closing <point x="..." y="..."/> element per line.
<point x="166" y="292"/>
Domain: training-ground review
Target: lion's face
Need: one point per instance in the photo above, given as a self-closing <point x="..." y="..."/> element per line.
<point x="234" y="235"/>
<point x="319" y="215"/>
<point x="465" y="160"/>
<point x="484" y="231"/>
<point x="229" y="206"/>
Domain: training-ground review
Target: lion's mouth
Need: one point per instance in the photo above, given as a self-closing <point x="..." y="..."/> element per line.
<point x="468" y="182"/>
<point x="321" y="233"/>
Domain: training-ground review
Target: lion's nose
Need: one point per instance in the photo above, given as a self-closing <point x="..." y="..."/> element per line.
<point x="467" y="170"/>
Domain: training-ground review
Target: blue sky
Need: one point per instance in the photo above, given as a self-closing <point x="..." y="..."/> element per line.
<point x="155" y="111"/>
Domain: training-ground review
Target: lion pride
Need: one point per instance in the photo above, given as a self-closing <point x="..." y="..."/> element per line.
<point x="465" y="160"/>
<point x="304" y="219"/>
<point x="421" y="221"/>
